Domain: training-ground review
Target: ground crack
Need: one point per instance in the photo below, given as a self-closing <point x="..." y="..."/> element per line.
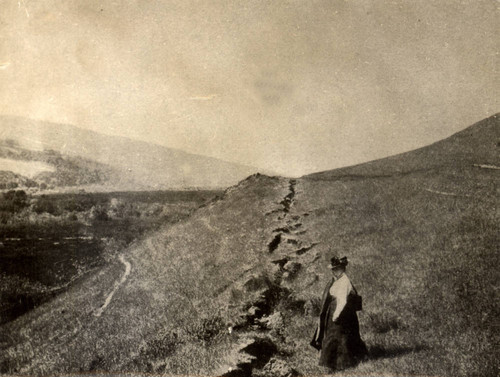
<point x="258" y="349"/>
<point x="305" y="249"/>
<point x="288" y="199"/>
<point x="273" y="245"/>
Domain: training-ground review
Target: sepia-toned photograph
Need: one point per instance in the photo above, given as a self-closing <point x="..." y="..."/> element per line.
<point x="249" y="188"/>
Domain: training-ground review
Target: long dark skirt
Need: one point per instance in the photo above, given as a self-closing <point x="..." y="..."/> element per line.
<point x="342" y="346"/>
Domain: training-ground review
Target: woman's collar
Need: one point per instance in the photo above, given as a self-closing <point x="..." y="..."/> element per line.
<point x="341" y="275"/>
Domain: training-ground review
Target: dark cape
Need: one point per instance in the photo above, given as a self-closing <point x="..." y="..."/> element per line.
<point x="340" y="343"/>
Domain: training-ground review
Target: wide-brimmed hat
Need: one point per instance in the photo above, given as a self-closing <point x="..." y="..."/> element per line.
<point x="338" y="262"/>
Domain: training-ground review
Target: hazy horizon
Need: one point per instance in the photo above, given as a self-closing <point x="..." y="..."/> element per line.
<point x="19" y="168"/>
<point x="290" y="87"/>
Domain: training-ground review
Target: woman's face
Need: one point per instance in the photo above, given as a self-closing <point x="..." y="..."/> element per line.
<point x="338" y="270"/>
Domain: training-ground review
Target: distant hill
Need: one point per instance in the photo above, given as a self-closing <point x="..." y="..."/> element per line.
<point x="47" y="169"/>
<point x="478" y="144"/>
<point x="234" y="290"/>
<point x="135" y="164"/>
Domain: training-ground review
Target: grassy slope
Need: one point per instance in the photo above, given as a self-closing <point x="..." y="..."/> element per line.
<point x="423" y="247"/>
<point x="68" y="171"/>
<point x="424" y="264"/>
<point x="146" y="165"/>
<point x="477" y="144"/>
<point x="164" y="289"/>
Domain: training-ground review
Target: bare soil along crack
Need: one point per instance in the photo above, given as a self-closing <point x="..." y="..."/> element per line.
<point x="256" y="354"/>
<point x="273" y="245"/>
<point x="286" y="203"/>
<point x="288" y="199"/>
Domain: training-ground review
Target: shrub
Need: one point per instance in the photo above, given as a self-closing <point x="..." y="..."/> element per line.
<point x="13" y="201"/>
<point x="46" y="205"/>
<point x="98" y="213"/>
<point x="79" y="203"/>
<point x="4" y="217"/>
<point x="206" y="329"/>
<point x="162" y="346"/>
<point x="31" y="183"/>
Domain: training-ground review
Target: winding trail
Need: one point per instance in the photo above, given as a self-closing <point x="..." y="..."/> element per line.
<point x="440" y="192"/>
<point x="485" y="166"/>
<point x="128" y="268"/>
<point x="445" y="193"/>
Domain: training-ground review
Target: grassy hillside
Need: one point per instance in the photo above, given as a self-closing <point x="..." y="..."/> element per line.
<point x="234" y="289"/>
<point x="48" y="242"/>
<point x="61" y="170"/>
<point x="148" y="166"/>
<point x="476" y="145"/>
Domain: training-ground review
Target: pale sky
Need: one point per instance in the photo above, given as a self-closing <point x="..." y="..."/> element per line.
<point x="289" y="86"/>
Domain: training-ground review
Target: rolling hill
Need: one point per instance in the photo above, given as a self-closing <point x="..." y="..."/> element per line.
<point x="130" y="165"/>
<point x="48" y="170"/>
<point x="234" y="289"/>
<point x="476" y="145"/>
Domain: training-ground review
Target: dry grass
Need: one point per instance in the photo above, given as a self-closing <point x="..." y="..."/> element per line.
<point x="423" y="251"/>
<point x="424" y="264"/>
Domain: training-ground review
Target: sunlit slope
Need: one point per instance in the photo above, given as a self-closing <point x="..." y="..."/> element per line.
<point x="237" y="285"/>
<point x="477" y="144"/>
<point x="175" y="276"/>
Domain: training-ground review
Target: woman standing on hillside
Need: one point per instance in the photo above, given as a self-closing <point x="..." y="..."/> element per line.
<point x="337" y="334"/>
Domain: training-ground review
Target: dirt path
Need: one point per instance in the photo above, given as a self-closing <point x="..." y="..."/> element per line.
<point x="485" y="166"/>
<point x="128" y="268"/>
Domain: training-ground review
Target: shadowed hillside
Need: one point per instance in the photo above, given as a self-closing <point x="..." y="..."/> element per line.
<point x="140" y="165"/>
<point x="234" y="289"/>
